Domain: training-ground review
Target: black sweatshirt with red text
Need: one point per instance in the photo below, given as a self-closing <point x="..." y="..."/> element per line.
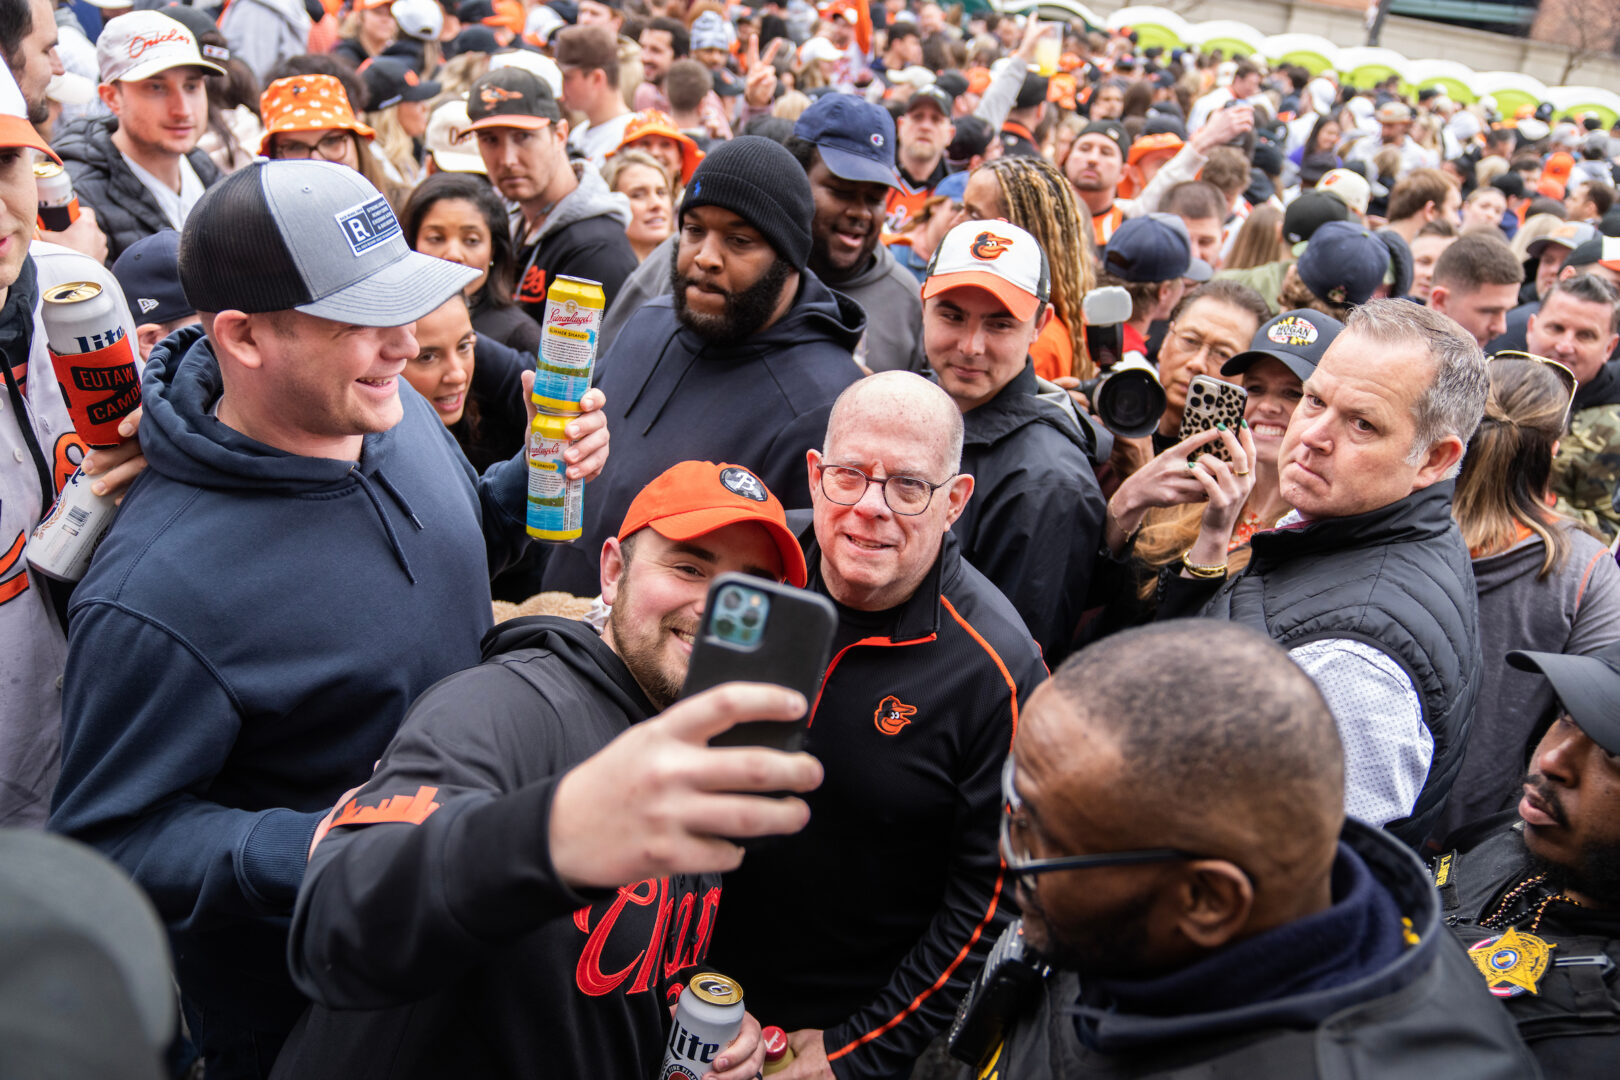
<point x="431" y="928"/>
<point x="873" y="921"/>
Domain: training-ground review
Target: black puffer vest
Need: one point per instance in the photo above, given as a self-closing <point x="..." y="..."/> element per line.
<point x="1397" y="578"/>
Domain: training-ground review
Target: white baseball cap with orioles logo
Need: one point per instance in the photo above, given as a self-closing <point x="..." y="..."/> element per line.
<point x="145" y="43"/>
<point x="995" y="256"/>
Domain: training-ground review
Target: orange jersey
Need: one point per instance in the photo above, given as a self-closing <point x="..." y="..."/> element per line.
<point x="1104" y="224"/>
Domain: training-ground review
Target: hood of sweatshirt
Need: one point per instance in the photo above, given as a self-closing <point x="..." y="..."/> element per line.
<point x="881" y="267"/>
<point x="185" y="442"/>
<point x="590" y="199"/>
<point x="581" y="648"/>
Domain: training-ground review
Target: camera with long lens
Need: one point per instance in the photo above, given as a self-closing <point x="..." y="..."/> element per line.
<point x="1126" y="396"/>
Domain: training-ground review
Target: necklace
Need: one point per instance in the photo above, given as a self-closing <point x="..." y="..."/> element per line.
<point x="1497" y="920"/>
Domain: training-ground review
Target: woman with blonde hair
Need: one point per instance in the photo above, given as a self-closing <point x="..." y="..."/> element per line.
<point x="1030" y="192"/>
<point x="398" y="113"/>
<point x="1259" y="241"/>
<point x="1544" y="583"/>
<point x="644" y="180"/>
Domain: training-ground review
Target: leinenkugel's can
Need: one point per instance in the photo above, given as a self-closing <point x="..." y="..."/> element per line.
<point x="62" y="544"/>
<point x="567" y="354"/>
<point x="708" y="1015"/>
<point x="94" y="358"/>
<point x="556" y="503"/>
<point x="58" y="205"/>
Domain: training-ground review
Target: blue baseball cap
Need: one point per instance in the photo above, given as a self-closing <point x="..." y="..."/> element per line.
<point x="855" y="138"/>
<point x="1155" y="247"/>
<point x="953" y="187"/>
<point x="1344" y="263"/>
<point x="149" y="273"/>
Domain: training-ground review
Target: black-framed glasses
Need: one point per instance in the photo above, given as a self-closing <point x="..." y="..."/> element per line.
<point x="905" y="495"/>
<point x="329" y="148"/>
<point x="1026" y="869"/>
<point x="1565" y="373"/>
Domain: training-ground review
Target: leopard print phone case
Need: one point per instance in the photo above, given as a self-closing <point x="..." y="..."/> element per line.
<point x="1211" y="401"/>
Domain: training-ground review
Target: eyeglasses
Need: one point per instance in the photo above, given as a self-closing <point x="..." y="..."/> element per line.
<point x="1195" y="344"/>
<point x="1563" y="371"/>
<point x="1027" y="869"/>
<point x="330" y="148"/>
<point x="905" y="495"/>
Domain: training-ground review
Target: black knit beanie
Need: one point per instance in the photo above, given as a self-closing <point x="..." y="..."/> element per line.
<point x="760" y="182"/>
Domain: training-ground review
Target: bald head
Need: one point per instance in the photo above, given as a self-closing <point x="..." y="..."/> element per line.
<point x="1224" y="743"/>
<point x="899" y="400"/>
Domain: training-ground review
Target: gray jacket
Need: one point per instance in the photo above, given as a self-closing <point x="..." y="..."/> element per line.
<point x="1575" y="609"/>
<point x="263" y="33"/>
<point x="886" y="291"/>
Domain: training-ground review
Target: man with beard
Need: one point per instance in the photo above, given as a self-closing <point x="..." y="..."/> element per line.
<point x="925" y="131"/>
<point x="1535" y="892"/>
<point x="846" y="148"/>
<point x="557" y="847"/>
<point x="1172" y="819"/>
<point x="741" y="362"/>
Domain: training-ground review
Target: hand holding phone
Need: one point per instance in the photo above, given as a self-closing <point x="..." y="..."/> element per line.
<point x="1212" y="401"/>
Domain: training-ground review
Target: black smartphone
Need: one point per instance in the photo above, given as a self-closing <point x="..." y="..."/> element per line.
<point x="756" y="630"/>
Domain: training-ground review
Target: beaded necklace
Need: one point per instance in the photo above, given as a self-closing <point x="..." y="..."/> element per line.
<point x="1497" y="920"/>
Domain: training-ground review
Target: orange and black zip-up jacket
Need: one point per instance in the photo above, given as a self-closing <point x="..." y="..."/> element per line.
<point x="873" y="921"/>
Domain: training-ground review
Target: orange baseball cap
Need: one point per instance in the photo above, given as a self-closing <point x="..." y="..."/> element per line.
<point x="1061" y="89"/>
<point x="978" y="79"/>
<point x="1152" y="144"/>
<point x="306" y="103"/>
<point x="694" y="498"/>
<point x="656" y="122"/>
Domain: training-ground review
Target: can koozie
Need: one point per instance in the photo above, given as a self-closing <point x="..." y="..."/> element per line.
<point x="102" y="387"/>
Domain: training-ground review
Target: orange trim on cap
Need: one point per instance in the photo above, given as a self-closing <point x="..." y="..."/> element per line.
<point x="1022" y="304"/>
<point x="17" y="131"/>
<point x="509" y="120"/>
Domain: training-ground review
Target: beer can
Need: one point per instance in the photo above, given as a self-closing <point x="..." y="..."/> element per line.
<point x="58" y="205"/>
<point x="708" y="1015"/>
<point x="94" y="358"/>
<point x="556" y="503"/>
<point x="62" y="544"/>
<point x="568" y="333"/>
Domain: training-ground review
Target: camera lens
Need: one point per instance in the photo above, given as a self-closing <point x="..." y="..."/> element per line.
<point x="750" y="619"/>
<point x="725" y="627"/>
<point x="731" y="598"/>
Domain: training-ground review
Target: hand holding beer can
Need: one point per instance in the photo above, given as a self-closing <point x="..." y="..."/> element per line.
<point x="567" y="355"/>
<point x="708" y="1016"/>
<point x="94" y="359"/>
<point x="58" y="204"/>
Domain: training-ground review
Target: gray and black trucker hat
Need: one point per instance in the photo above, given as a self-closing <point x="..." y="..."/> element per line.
<point x="309" y="236"/>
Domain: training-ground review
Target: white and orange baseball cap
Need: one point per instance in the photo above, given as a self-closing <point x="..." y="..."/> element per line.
<point x="145" y="43"/>
<point x="15" y="130"/>
<point x="998" y="257"/>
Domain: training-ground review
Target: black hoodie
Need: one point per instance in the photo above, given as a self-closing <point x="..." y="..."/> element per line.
<point x="672" y="396"/>
<point x="434" y="933"/>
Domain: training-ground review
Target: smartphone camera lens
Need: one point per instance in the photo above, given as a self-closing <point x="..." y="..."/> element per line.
<point x="750" y="619"/>
<point x="725" y="626"/>
<point x="731" y="598"/>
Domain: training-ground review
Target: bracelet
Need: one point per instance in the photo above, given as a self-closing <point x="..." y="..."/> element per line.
<point x="1205" y="572"/>
<point x="1130" y="537"/>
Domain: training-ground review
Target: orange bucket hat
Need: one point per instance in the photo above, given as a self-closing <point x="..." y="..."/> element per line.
<point x="656" y="122"/>
<point x="307" y="103"/>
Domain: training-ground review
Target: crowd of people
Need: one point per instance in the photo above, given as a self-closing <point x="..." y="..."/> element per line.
<point x="1155" y="740"/>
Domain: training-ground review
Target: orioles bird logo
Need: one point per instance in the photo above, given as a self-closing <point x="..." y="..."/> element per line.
<point x="893" y="714"/>
<point x="492" y="96"/>
<point x="988" y="246"/>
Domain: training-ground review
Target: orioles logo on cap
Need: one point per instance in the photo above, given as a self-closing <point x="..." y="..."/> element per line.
<point x="744" y="483"/>
<point x="1293" y="331"/>
<point x="492" y="96"/>
<point x="140" y="42"/>
<point x="990" y="247"/>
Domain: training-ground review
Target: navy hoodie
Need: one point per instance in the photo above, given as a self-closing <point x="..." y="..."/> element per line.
<point x="672" y="396"/>
<point x="246" y="642"/>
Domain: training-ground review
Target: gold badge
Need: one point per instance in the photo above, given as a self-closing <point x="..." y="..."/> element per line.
<point x="1513" y="963"/>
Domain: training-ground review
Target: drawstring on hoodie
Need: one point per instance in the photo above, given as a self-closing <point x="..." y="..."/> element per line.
<point x="388" y="526"/>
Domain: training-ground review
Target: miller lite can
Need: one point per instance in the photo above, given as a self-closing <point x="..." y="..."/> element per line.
<point x="708" y="1015"/>
<point x="94" y="358"/>
<point x="58" y="205"/>
<point x="61" y="545"/>
<point x="567" y="354"/>
<point x="556" y="508"/>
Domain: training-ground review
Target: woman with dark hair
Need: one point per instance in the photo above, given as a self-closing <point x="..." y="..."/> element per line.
<point x="1544" y="583"/>
<point x="459" y="217"/>
<point x="1321" y="145"/>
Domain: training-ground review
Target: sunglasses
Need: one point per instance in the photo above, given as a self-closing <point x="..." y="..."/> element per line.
<point x="1563" y="371"/>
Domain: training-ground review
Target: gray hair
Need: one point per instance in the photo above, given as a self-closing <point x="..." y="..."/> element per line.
<point x="1454" y="401"/>
<point x="1590" y="289"/>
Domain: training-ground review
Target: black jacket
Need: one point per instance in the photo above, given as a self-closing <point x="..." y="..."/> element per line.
<point x="672" y="396"/>
<point x="507" y="325"/>
<point x="1036" y="516"/>
<point x="1423" y="1017"/>
<point x="434" y="934"/>
<point x="1398" y="578"/>
<point x="125" y="210"/>
<point x="872" y="922"/>
<point x="1572" y="1021"/>
<point x="582" y="237"/>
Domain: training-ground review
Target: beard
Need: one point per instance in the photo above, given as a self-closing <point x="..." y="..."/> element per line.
<point x="745" y="312"/>
<point x="1596" y="869"/>
<point x="1114" y="948"/>
<point x="641" y="647"/>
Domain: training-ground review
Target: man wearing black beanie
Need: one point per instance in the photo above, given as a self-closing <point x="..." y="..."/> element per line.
<point x="740" y="362"/>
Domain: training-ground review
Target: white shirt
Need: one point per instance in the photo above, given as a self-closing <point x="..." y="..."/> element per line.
<point x="595" y="140"/>
<point x="176" y="205"/>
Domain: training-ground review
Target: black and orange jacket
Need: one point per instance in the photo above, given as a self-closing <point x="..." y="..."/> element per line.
<point x="432" y="929"/>
<point x="873" y="921"/>
<point x="582" y="237"/>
